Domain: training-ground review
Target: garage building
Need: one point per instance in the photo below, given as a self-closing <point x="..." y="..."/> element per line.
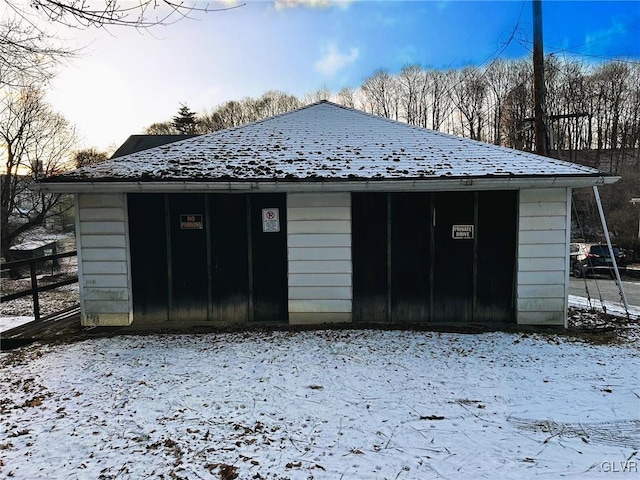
<point x="324" y="214"/>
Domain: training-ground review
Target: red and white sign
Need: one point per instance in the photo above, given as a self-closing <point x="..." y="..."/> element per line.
<point x="270" y="220"/>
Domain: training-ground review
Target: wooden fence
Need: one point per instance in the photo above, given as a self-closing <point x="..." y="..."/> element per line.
<point x="35" y="288"/>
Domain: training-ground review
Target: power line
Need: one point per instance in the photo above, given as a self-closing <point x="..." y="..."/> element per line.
<point x="496" y="56"/>
<point x="563" y="51"/>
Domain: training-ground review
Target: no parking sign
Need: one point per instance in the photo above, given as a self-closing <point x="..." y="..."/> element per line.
<point x="270" y="220"/>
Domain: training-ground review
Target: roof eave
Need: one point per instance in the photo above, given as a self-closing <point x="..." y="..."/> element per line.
<point x="329" y="185"/>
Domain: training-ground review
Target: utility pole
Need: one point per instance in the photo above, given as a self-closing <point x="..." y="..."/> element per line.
<point x="538" y="80"/>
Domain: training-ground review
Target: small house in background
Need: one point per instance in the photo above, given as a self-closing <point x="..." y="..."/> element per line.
<point x="136" y="143"/>
<point x="33" y="249"/>
<point x="324" y="214"/>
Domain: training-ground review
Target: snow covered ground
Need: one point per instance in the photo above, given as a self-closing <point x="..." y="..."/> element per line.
<point x="7" y="323"/>
<point x="328" y="404"/>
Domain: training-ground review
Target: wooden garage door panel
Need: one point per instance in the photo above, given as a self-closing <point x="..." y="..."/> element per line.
<point x="148" y="249"/>
<point x="369" y="231"/>
<point x="453" y="258"/>
<point x="410" y="257"/>
<point x="269" y="260"/>
<point x="229" y="270"/>
<point x="497" y="219"/>
<point x="188" y="260"/>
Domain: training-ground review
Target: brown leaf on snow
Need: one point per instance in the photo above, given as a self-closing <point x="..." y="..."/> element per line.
<point x="34" y="402"/>
<point x="228" y="472"/>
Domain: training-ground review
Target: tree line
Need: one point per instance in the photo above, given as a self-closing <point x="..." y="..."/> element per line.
<point x="588" y="107"/>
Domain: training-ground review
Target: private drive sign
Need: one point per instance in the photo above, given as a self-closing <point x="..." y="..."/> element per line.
<point x="462" y="232"/>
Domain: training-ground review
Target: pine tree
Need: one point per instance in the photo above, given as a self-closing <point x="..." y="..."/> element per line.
<point x="185" y="121"/>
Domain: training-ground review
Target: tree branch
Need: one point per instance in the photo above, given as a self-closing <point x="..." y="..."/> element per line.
<point x="113" y="13"/>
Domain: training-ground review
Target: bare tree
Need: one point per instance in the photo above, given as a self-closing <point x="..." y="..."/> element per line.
<point x="278" y="102"/>
<point x="630" y="138"/>
<point x="469" y="95"/>
<point x="37" y="142"/>
<point x="235" y="113"/>
<point x="322" y="93"/>
<point x="381" y="93"/>
<point x="227" y="115"/>
<point x="271" y="103"/>
<point x="88" y="157"/>
<point x="161" y="128"/>
<point x="411" y="89"/>
<point x="438" y="98"/>
<point x="347" y="97"/>
<point x="517" y="129"/>
<point x="499" y="82"/>
<point x="28" y="55"/>
<point x="101" y="13"/>
<point x="210" y="121"/>
<point x="570" y="108"/>
<point x="611" y="90"/>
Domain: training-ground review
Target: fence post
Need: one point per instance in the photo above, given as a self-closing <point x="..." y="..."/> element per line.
<point x="34" y="288"/>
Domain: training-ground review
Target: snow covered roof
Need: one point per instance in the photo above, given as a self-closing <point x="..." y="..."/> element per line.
<point x="323" y="141"/>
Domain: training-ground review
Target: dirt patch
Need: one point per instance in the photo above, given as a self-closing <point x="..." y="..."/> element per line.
<point x="601" y="328"/>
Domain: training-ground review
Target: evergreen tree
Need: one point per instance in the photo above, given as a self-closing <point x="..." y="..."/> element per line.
<point x="185" y="121"/>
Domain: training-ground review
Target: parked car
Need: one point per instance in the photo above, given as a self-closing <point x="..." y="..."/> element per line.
<point x="594" y="258"/>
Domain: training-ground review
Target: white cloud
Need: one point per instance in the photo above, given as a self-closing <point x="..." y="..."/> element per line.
<point x="332" y="60"/>
<point x="595" y="42"/>
<point x="284" y="4"/>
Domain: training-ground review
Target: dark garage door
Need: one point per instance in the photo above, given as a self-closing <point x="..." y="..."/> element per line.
<point x="148" y="250"/>
<point x="198" y="258"/>
<point x="434" y="257"/>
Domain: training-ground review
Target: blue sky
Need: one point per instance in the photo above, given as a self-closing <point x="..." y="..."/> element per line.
<point x="125" y="80"/>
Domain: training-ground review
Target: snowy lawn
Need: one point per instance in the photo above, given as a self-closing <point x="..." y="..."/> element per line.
<point x="322" y="405"/>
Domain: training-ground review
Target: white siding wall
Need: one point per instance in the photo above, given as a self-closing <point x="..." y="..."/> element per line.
<point x="543" y="265"/>
<point x="103" y="259"/>
<point x="319" y="256"/>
